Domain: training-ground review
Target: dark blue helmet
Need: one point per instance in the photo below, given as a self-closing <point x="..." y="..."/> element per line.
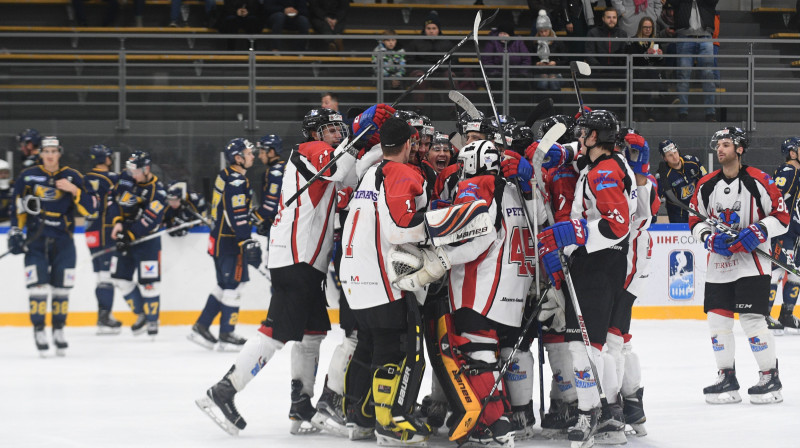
<point x="603" y="122"/>
<point x="790" y="144"/>
<point x="235" y="148"/>
<point x="99" y="153"/>
<point x="270" y="141"/>
<point x="30" y="136"/>
<point x="138" y="160"/>
<point x="177" y="189"/>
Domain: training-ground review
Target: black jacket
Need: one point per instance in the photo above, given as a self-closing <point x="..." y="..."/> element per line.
<point x="604" y="48"/>
<point x="683" y="11"/>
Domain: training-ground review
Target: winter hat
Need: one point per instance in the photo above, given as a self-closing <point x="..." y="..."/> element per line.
<point x="543" y="22"/>
<point x="506" y="28"/>
<point x="433" y="17"/>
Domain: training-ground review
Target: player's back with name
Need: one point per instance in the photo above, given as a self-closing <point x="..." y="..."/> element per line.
<point x="141" y="205"/>
<point x="103" y="185"/>
<point x="57" y="207"/>
<point x="230" y="205"/>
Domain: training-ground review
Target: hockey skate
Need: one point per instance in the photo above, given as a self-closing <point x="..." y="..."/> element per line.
<point x="356" y="432"/>
<point x="59" y="341"/>
<point x="230" y="342"/>
<point x="498" y="434"/>
<point x="359" y="426"/>
<point x="774" y="326"/>
<point x="522" y="421"/>
<point x="301" y="411"/>
<point x="611" y="426"/>
<point x="329" y="415"/>
<point x="768" y="389"/>
<point x="395" y="436"/>
<point x="152" y="329"/>
<point x="219" y="406"/>
<point x="558" y="419"/>
<point x="634" y="414"/>
<point x="202" y="337"/>
<point x="725" y="390"/>
<point x="791" y="324"/>
<point x="581" y="435"/>
<point x="106" y="324"/>
<point x="139" y="326"/>
<point x="434" y="412"/>
<point x="40" y="338"/>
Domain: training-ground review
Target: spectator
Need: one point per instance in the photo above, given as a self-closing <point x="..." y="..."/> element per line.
<point x="328" y="17"/>
<point x="648" y="78"/>
<point x="607" y="53"/>
<point x="437" y="48"/>
<point x="547" y="54"/>
<point x="666" y="30"/>
<point x="394" y="60"/>
<point x="631" y="13"/>
<point x="679" y="174"/>
<point x="179" y="13"/>
<point x="329" y="100"/>
<point x="240" y="15"/>
<point x="579" y="17"/>
<point x="694" y="19"/>
<point x="553" y="8"/>
<point x="519" y="58"/>
<point x="288" y="14"/>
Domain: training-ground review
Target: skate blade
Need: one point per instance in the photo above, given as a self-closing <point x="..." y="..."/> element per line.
<point x="503" y="442"/>
<point x="528" y="433"/>
<point x="768" y="398"/>
<point x="724" y="398"/>
<point x="777" y="332"/>
<point x="226" y="347"/>
<point x="104" y="331"/>
<point x="636" y="430"/>
<point x="302" y="428"/>
<point x="610" y="438"/>
<point x="417" y="440"/>
<point x="355" y="432"/>
<point x="792" y="331"/>
<point x="207" y="406"/>
<point x="323" y="422"/>
<point x="61" y="352"/>
<point x="201" y="341"/>
<point x="43" y="353"/>
<point x="139" y="331"/>
<point x="554" y="434"/>
<point x="588" y="443"/>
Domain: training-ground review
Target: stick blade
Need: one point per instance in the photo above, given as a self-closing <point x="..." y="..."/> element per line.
<point x="580" y="67"/>
<point x="545" y="143"/>
<point x="464" y="103"/>
<point x="476" y="26"/>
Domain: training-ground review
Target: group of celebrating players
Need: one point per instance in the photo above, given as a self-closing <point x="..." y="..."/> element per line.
<point x="439" y="243"/>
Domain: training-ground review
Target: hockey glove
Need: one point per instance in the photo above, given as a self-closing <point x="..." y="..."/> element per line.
<point x="552" y="313"/>
<point x="251" y="252"/>
<point x="376" y="116"/>
<point x="556" y="156"/>
<point x="717" y="243"/>
<point x="637" y="151"/>
<point x="123" y="242"/>
<point x="552" y="265"/>
<point x="343" y="198"/>
<point x="16" y="241"/>
<point x="436" y="204"/>
<point x="264" y="227"/>
<point x="749" y="239"/>
<point x="561" y="235"/>
<point x="515" y="166"/>
<point x="431" y="266"/>
<point x="175" y="223"/>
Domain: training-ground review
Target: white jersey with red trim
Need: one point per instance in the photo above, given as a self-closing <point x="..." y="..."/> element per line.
<point x="492" y="274"/>
<point x="738" y="202"/>
<point x="641" y="244"/>
<point x="303" y="231"/>
<point x="386" y="209"/>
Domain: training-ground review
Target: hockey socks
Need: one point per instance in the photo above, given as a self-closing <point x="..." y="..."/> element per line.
<point x="305" y="359"/>
<point x="151" y="296"/>
<point x="105" y="295"/>
<point x="60" y="307"/>
<point x="339" y="361"/>
<point x="560" y="360"/>
<point x="762" y="342"/>
<point x="38" y="304"/>
<point x="720" y="325"/>
<point x="585" y="381"/>
<point x="132" y="295"/>
<point x="212" y="308"/>
<point x="228" y="319"/>
<point x="257" y="351"/>
<point x="632" y="377"/>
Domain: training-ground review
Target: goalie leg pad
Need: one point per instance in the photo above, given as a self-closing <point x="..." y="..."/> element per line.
<point x="458" y="222"/>
<point x="339" y="361"/>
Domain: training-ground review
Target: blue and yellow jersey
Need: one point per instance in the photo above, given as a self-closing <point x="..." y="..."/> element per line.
<point x="271" y="191"/>
<point x="58" y="207"/>
<point x="102" y="184"/>
<point x="6" y="199"/>
<point x="230" y="207"/>
<point x="682" y="182"/>
<point x="787" y="179"/>
<point x="141" y="205"/>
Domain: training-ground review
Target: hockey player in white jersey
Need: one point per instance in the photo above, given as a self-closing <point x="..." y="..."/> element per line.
<point x="746" y="200"/>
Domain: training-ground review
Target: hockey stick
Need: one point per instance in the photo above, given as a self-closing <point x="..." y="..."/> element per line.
<point x="108" y="250"/>
<point x="544" y="145"/>
<point x="403" y="96"/>
<point x="462" y="102"/>
<point x="722" y="228"/>
<point x="584" y="69"/>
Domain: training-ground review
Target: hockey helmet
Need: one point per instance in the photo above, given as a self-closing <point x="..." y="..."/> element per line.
<point x="5" y="175"/>
<point x="138" y="160"/>
<point x="236" y="147"/>
<point x="411" y="117"/>
<point x="30" y="136"/>
<point x="478" y="157"/>
<point x="737" y="135"/>
<point x="99" y="153"/>
<point x="177" y="189"/>
<point x="521" y="138"/>
<point x="603" y="122"/>
<point x="51" y="140"/>
<point x="466" y="123"/>
<point x="667" y="146"/>
<point x="427" y="126"/>
<point x="549" y="122"/>
<point x="441" y="141"/>
<point x="790" y="144"/>
<point x="317" y="119"/>
<point x="270" y="141"/>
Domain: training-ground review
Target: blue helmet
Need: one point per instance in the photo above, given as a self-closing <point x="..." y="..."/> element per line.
<point x="177" y="189"/>
<point x="667" y="146"/>
<point x="790" y="144"/>
<point x="30" y="136"/>
<point x="99" y="153"/>
<point x="235" y="148"/>
<point x="138" y="160"/>
<point x="270" y="141"/>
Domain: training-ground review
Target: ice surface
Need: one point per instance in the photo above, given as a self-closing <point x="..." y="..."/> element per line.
<point x="118" y="391"/>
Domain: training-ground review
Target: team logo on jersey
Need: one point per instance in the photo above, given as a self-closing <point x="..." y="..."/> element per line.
<point x="584" y="379"/>
<point x="95" y="184"/>
<point x="716" y="345"/>
<point x="31" y="277"/>
<point x="148" y="269"/>
<point x="47" y="193"/>
<point x="681" y="275"/>
<point x="687" y="191"/>
<point x="756" y="344"/>
<point x="471" y="191"/>
<point x="729" y="216"/>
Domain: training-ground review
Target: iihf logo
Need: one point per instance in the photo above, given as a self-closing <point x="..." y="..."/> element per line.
<point x="756" y="345"/>
<point x="681" y="275"/>
<point x="583" y="379"/>
<point x="716" y="344"/>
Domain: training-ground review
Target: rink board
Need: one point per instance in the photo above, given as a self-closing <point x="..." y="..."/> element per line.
<point x="675" y="286"/>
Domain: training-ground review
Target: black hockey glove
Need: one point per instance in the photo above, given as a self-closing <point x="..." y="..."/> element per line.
<point x="123" y="243"/>
<point x="264" y="227"/>
<point x="251" y="251"/>
<point x="16" y="241"/>
<point x="175" y="223"/>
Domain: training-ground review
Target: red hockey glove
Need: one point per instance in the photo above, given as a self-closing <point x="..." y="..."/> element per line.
<point x="749" y="239"/>
<point x="561" y="235"/>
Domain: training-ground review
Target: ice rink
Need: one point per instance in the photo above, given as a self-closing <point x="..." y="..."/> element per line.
<point x="116" y="391"/>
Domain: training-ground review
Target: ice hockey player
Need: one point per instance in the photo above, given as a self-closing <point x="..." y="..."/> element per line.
<point x="102" y="182"/>
<point x="680" y="174"/>
<point x="6" y="191"/>
<point x="49" y="249"/>
<point x="142" y="200"/>
<point x="269" y="149"/>
<point x="787" y="178"/>
<point x="301" y="242"/>
<point x="599" y="227"/>
<point x="183" y="206"/>
<point x="231" y="246"/>
<point x="737" y="280"/>
<point x="29" y="143"/>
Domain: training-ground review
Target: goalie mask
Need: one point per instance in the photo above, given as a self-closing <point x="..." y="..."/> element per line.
<point x="477" y="158"/>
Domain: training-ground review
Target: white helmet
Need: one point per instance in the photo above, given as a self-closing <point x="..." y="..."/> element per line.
<point x="478" y="158"/>
<point x="5" y="175"/>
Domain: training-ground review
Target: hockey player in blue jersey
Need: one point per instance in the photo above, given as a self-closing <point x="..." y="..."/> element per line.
<point x="50" y="257"/>
<point x="232" y="248"/>
<point x="29" y="143"/>
<point x="142" y="199"/>
<point x="102" y="182"/>
<point x="680" y="174"/>
<point x="269" y="150"/>
<point x="184" y="206"/>
<point x="787" y="179"/>
<point x="6" y="192"/>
